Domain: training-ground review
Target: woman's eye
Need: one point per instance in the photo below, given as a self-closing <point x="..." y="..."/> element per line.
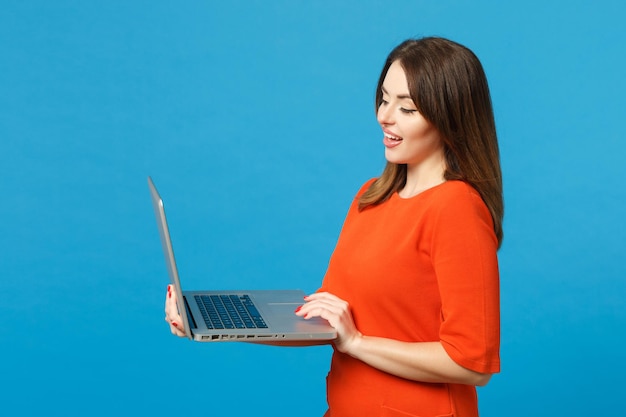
<point x="407" y="111"/>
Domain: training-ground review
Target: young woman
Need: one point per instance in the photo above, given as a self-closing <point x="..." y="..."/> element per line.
<point x="413" y="286"/>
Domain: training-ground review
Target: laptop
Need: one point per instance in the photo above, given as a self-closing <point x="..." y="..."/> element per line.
<point x="241" y="316"/>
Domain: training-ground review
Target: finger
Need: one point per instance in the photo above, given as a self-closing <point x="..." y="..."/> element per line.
<point x="176" y="329"/>
<point x="171" y="305"/>
<point x="171" y="297"/>
<point x="177" y="332"/>
<point x="333" y="319"/>
<point x="168" y="299"/>
<point x="171" y="309"/>
<point x="326" y="311"/>
<point x="322" y="296"/>
<point x="173" y="317"/>
<point x="330" y="301"/>
<point x="334" y="306"/>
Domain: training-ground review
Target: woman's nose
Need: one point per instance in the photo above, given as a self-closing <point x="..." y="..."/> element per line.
<point x="384" y="115"/>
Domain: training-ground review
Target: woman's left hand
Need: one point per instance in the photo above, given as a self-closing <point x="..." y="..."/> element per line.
<point x="172" y="317"/>
<point x="337" y="312"/>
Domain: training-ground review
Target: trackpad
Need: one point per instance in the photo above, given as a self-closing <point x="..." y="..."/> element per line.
<point x="283" y="309"/>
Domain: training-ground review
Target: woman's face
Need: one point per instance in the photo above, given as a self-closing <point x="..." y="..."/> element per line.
<point x="408" y="137"/>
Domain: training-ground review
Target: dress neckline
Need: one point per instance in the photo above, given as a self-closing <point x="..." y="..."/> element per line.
<point x="397" y="195"/>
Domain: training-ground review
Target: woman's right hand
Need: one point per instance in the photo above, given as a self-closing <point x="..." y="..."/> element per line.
<point x="171" y="313"/>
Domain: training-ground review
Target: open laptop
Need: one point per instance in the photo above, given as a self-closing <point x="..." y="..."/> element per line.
<point x="244" y="316"/>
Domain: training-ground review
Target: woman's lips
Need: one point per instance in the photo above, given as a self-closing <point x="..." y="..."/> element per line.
<point x="391" y="141"/>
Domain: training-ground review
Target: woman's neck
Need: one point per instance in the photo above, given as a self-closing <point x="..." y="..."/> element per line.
<point x="421" y="177"/>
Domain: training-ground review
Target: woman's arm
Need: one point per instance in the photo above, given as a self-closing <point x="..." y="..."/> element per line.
<point x="425" y="361"/>
<point x="419" y="361"/>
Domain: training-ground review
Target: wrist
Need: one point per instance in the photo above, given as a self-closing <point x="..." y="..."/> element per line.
<point x="354" y="346"/>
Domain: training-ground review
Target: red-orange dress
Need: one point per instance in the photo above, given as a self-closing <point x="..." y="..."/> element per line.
<point x="417" y="270"/>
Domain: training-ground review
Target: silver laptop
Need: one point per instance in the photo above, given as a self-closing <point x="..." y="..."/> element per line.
<point x="244" y="316"/>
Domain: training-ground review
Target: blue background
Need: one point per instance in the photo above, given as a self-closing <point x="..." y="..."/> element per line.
<point x="255" y="119"/>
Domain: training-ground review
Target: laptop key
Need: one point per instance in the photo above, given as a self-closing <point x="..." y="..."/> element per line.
<point x="229" y="312"/>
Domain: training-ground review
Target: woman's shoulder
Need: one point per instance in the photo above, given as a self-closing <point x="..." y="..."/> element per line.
<point x="455" y="198"/>
<point x="454" y="190"/>
<point x="458" y="199"/>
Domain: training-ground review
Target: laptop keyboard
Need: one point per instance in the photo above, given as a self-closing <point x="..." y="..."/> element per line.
<point x="229" y="312"/>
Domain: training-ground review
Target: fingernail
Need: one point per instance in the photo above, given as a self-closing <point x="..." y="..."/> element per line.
<point x="169" y="295"/>
<point x="174" y="324"/>
<point x="298" y="309"/>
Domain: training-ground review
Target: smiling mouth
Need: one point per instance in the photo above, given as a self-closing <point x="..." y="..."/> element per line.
<point x="391" y="141"/>
<point x="391" y="137"/>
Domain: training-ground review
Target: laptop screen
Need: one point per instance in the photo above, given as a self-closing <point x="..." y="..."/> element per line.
<point x="168" y="251"/>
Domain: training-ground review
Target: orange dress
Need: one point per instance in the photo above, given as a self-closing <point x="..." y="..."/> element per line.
<point x="417" y="270"/>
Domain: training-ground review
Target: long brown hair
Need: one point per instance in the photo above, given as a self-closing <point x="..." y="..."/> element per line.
<point x="448" y="85"/>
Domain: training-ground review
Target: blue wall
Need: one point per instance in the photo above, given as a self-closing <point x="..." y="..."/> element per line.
<point x="255" y="119"/>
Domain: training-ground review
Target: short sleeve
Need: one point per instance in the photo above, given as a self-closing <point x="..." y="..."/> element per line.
<point x="464" y="254"/>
